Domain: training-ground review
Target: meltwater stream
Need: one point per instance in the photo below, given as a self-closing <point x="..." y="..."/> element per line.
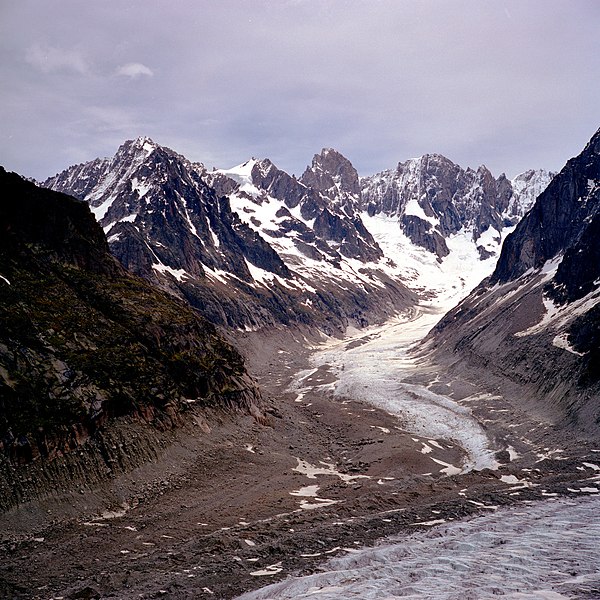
<point x="543" y="551"/>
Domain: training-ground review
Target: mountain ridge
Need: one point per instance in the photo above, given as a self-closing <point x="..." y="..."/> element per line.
<point x="253" y="246"/>
<point x="89" y="351"/>
<point x="535" y="321"/>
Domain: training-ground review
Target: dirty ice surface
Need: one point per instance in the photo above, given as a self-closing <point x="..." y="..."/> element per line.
<point x="543" y="551"/>
<point x="373" y="365"/>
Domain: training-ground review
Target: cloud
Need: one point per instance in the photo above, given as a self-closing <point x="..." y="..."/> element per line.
<point x="134" y="70"/>
<point x="49" y="59"/>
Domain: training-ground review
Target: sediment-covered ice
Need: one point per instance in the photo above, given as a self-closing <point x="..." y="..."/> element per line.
<point x="543" y="551"/>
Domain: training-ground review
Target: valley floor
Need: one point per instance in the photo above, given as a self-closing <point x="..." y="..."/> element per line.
<point x="242" y="505"/>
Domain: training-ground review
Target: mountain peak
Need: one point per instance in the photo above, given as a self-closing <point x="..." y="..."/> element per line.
<point x="331" y="172"/>
<point x="330" y="158"/>
<point x="139" y="144"/>
<point x="559" y="218"/>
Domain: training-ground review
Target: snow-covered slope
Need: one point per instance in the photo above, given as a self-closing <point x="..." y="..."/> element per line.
<point x="429" y="223"/>
<point x="314" y="236"/>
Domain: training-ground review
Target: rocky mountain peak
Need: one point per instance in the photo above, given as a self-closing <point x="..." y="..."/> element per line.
<point x="134" y="151"/>
<point x="140" y="143"/>
<point x="332" y="173"/>
<point x="434" y="198"/>
<point x="559" y="218"/>
<point x="526" y="187"/>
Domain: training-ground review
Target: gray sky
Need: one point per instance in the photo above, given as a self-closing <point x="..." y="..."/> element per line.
<point x="510" y="84"/>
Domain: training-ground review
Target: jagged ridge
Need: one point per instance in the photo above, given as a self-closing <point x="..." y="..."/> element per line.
<point x="535" y="322"/>
<point x="171" y="221"/>
<point x="253" y="246"/>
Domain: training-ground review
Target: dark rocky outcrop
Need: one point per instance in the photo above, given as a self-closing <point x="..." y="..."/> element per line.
<point x="558" y="219"/>
<point x="333" y="175"/>
<point x="84" y="345"/>
<point x="422" y="234"/>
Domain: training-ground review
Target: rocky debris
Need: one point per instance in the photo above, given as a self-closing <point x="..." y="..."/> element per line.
<point x="221" y="514"/>
<point x="83" y="344"/>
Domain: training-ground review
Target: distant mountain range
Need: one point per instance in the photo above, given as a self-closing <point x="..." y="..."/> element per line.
<point x="253" y="246"/>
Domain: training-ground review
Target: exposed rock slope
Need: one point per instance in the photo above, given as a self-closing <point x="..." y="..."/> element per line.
<point x="433" y="198"/>
<point x="83" y="344"/>
<point x="535" y="321"/>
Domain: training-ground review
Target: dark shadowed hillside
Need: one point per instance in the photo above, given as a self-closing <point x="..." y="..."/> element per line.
<point x="83" y="345"/>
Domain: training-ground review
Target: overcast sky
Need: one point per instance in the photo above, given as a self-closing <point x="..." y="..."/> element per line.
<point x="510" y="84"/>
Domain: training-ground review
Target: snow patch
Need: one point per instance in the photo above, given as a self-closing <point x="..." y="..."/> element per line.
<point x="100" y="211"/>
<point x="561" y="341"/>
<point x="139" y="187"/>
<point x="179" y="274"/>
<point x="413" y="208"/>
<point x="307" y="490"/>
<point x="311" y="471"/>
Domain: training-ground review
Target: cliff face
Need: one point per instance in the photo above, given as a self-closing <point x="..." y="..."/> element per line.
<point x="434" y="198"/>
<point x="84" y="344"/>
<point x="559" y="218"/>
<point x="535" y="321"/>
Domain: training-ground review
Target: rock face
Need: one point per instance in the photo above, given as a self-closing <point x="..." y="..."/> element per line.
<point x="236" y="243"/>
<point x="84" y="344"/>
<point x="319" y="217"/>
<point x="535" y="319"/>
<point x="333" y="175"/>
<point x="434" y="198"/>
